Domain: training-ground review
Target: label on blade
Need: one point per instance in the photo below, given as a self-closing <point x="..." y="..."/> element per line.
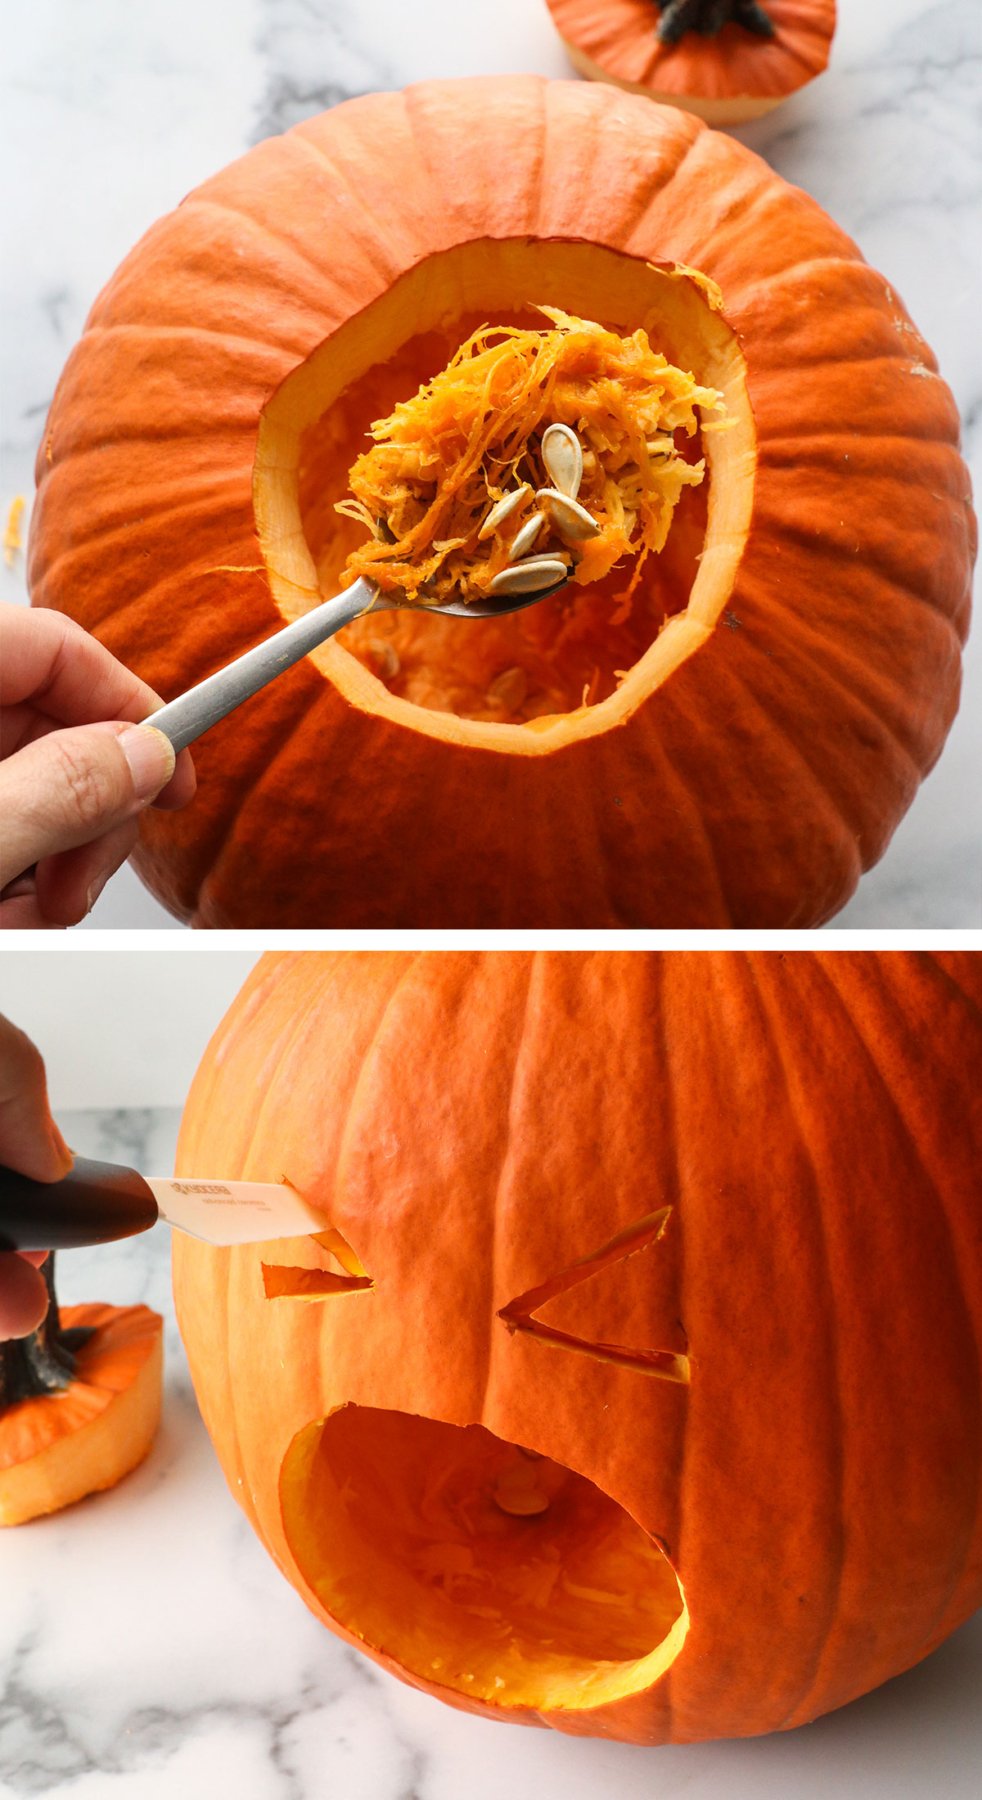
<point x="235" y="1212"/>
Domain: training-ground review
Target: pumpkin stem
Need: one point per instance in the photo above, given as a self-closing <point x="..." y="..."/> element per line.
<point x="43" y="1363"/>
<point x="707" y="17"/>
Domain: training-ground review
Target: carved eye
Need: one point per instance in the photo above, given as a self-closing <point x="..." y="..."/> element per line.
<point x="524" y="1313"/>
<point x="282" y="1282"/>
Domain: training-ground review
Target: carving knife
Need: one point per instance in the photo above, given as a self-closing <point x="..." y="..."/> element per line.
<point x="98" y="1202"/>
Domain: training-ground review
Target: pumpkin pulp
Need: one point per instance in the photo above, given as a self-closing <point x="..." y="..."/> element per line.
<point x="569" y="665"/>
<point x="475" y="1565"/>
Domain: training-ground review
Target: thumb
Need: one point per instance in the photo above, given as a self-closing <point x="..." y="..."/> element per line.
<point x="71" y="787"/>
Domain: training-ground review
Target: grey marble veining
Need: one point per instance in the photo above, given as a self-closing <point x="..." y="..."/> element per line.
<point x="112" y="112"/>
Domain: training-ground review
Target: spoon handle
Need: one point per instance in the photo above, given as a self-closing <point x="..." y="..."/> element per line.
<point x="185" y="719"/>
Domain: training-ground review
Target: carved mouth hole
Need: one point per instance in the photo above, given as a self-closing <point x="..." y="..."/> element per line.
<point x="476" y="1565"/>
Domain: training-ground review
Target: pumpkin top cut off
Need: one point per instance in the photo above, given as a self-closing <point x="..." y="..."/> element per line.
<point x="725" y="60"/>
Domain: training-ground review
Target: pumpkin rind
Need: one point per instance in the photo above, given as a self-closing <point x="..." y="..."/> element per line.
<point x="725" y="79"/>
<point x="473" y="1124"/>
<point x="750" y="788"/>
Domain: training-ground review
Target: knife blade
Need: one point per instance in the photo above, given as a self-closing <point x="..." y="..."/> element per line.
<point x="100" y="1202"/>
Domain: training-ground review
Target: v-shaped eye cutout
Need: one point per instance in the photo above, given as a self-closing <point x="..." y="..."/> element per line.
<point x="282" y="1282"/>
<point x="521" y="1314"/>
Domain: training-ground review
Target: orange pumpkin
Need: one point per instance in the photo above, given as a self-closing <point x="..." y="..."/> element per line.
<point x="632" y="1387"/>
<point x="79" y="1404"/>
<point x="725" y="75"/>
<point x="733" y="752"/>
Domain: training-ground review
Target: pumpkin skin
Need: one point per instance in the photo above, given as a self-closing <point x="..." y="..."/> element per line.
<point x="474" y="1125"/>
<point x="763" y="747"/>
<point x="725" y="79"/>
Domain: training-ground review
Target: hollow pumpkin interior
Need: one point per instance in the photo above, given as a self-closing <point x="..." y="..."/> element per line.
<point x="577" y="661"/>
<point x="475" y="1565"/>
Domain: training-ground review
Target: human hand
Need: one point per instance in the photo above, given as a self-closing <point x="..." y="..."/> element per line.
<point x="31" y="1143"/>
<point x="76" y="768"/>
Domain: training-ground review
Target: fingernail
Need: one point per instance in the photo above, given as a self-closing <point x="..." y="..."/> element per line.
<point x="151" y="759"/>
<point x="93" y="892"/>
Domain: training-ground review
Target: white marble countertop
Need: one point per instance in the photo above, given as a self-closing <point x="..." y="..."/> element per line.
<point x="111" y="112"/>
<point x="149" y="1649"/>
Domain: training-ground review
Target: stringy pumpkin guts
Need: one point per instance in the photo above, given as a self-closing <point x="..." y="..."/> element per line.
<point x="482" y="465"/>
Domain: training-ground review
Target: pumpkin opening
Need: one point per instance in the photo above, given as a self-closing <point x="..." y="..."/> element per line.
<point x="477" y="1565"/>
<point x="572" y="662"/>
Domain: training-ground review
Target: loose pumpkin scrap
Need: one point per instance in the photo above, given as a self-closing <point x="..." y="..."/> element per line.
<point x="565" y="434"/>
<point x="79" y="1404"/>
<point x="632" y="1386"/>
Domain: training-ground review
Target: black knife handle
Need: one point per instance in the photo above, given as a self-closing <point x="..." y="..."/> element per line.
<point x="95" y="1203"/>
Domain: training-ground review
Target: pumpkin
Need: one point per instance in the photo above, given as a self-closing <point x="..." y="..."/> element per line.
<point x="632" y="1386"/>
<point x="79" y="1404"/>
<point x="716" y="58"/>
<point x="734" y="751"/>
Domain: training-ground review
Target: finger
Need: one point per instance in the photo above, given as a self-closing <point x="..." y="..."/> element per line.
<point x="29" y="1138"/>
<point x="73" y="786"/>
<point x="20" y="725"/>
<point x="23" y="1296"/>
<point x="19" y="909"/>
<point x="66" y="673"/>
<point x="68" y="886"/>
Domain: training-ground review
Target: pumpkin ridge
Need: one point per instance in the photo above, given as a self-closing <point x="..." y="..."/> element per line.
<point x="660" y="1004"/>
<point x="153" y="328"/>
<point x="833" y="802"/>
<point x="650" y="736"/>
<point x="823" y="969"/>
<point x="250" y="791"/>
<point x="826" y="1308"/>
<point x="285" y="247"/>
<point x="402" y="976"/>
<point x="165" y="589"/>
<point x="43" y="572"/>
<point x="647" y="196"/>
<point x="784" y="524"/>
<point x="832" y="670"/>
<point x="533" y="964"/>
<point x="386" y="271"/>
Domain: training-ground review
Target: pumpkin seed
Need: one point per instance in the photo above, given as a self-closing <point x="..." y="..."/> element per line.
<point x="526" y="577"/>
<point x="572" y="521"/>
<point x="385" y="657"/>
<point x="563" y="457"/>
<point x="509" y="688"/>
<point x="517" y="1492"/>
<point x="503" y="509"/>
<point x="525" y="538"/>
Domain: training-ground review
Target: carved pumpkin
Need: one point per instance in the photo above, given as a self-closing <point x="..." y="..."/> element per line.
<point x="733" y="752"/>
<point x="726" y="60"/>
<point x="79" y="1404"/>
<point x="632" y="1387"/>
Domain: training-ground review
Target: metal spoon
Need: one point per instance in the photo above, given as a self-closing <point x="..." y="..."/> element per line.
<point x="184" y="719"/>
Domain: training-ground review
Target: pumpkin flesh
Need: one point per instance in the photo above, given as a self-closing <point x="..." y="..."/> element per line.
<point x="394" y="1523"/>
<point x="576" y="651"/>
